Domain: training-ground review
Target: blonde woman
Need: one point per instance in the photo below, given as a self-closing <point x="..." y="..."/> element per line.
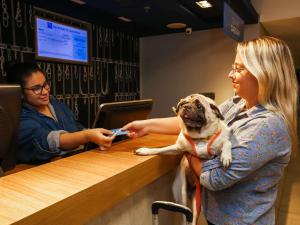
<point x="262" y="117"/>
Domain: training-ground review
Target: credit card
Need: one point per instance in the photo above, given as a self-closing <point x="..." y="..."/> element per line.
<point x="118" y="132"/>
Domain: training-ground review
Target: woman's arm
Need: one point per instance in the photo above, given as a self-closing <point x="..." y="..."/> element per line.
<point x="97" y="136"/>
<point x="252" y="149"/>
<point x="138" y="128"/>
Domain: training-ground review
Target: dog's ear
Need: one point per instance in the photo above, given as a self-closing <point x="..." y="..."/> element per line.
<point x="175" y="110"/>
<point x="180" y="103"/>
<point x="216" y="110"/>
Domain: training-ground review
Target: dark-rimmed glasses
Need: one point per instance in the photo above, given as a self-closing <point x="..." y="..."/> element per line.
<point x="38" y="89"/>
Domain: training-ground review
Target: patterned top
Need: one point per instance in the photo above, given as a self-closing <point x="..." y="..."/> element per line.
<point x="245" y="193"/>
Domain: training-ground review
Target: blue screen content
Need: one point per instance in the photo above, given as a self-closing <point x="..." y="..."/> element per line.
<point x="58" y="41"/>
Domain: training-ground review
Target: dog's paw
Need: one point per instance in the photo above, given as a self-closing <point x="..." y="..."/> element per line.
<point x="226" y="158"/>
<point x="143" y="151"/>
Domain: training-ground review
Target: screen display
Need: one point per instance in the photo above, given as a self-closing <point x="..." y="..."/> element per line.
<point x="60" y="42"/>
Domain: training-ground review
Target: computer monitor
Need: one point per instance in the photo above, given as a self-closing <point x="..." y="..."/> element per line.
<point x="10" y="107"/>
<point x="117" y="114"/>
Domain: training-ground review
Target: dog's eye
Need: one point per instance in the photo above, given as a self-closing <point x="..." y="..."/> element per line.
<point x="198" y="104"/>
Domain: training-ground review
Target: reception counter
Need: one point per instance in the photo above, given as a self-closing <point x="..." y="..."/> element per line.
<point x="75" y="189"/>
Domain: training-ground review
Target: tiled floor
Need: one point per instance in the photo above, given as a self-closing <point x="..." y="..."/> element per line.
<point x="289" y="206"/>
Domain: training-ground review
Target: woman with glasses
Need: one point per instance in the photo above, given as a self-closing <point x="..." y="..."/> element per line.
<point x="47" y="127"/>
<point x="262" y="118"/>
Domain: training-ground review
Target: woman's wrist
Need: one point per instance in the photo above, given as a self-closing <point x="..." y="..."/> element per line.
<point x="148" y="126"/>
<point x="86" y="135"/>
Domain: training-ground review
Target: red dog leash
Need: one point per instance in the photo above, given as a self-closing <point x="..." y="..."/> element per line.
<point x="198" y="186"/>
<point x="211" y="141"/>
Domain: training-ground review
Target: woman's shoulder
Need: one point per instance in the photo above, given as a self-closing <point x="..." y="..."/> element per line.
<point x="277" y="122"/>
<point x="271" y="118"/>
<point x="234" y="100"/>
<point x="261" y="123"/>
<point x="57" y="105"/>
<point x="53" y="101"/>
<point x="269" y="122"/>
<point x="28" y="111"/>
<point x="231" y="105"/>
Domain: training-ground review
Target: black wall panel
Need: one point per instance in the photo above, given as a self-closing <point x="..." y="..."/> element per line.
<point x="113" y="71"/>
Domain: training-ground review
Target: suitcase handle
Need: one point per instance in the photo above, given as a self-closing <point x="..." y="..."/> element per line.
<point x="171" y="206"/>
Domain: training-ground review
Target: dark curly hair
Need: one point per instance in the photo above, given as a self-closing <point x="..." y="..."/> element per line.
<point x="17" y="72"/>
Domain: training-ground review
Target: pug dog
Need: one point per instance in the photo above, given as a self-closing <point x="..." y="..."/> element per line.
<point x="200" y="122"/>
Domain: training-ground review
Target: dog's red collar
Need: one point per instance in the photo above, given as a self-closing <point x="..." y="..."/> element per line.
<point x="190" y="140"/>
<point x="209" y="152"/>
<point x="211" y="140"/>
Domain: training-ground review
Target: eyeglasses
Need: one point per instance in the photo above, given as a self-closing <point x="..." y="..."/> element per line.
<point x="237" y="68"/>
<point x="38" y="89"/>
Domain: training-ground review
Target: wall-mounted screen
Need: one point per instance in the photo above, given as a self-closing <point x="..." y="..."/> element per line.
<point x="60" y="42"/>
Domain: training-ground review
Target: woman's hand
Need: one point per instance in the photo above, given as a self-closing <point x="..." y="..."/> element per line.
<point x="101" y="137"/>
<point x="136" y="128"/>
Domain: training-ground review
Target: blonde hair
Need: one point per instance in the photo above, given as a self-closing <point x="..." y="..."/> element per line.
<point x="270" y="61"/>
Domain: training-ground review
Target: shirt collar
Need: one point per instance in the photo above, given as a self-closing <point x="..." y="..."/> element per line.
<point x="254" y="110"/>
<point x="31" y="108"/>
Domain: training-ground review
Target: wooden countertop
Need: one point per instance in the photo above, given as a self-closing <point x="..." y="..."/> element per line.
<point x="75" y="189"/>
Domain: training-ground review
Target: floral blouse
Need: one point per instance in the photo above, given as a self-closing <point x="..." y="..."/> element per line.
<point x="245" y="193"/>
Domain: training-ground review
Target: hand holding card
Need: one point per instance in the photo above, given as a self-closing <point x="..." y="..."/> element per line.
<point x="118" y="132"/>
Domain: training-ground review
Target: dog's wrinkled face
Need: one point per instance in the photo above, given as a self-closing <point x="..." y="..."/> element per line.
<point x="197" y="113"/>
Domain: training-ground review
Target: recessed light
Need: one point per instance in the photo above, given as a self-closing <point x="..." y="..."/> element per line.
<point x="204" y="4"/>
<point x="80" y="2"/>
<point x="125" y="19"/>
<point x="176" y="25"/>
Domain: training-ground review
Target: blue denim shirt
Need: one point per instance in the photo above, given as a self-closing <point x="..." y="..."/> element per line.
<point x="245" y="193"/>
<point x="39" y="134"/>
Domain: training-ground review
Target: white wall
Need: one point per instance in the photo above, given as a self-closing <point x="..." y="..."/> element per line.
<point x="276" y="9"/>
<point x="282" y="19"/>
<point x="174" y="66"/>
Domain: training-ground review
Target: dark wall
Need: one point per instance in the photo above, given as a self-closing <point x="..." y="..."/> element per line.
<point x="113" y="71"/>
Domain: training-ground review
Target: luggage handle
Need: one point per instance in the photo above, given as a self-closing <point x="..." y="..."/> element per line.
<point x="171" y="206"/>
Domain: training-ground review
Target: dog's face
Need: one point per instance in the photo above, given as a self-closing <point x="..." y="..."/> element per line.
<point x="198" y="115"/>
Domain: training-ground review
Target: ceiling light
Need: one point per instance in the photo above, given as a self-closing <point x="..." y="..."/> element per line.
<point x="80" y="2"/>
<point x="204" y="4"/>
<point x="176" y="25"/>
<point x="147" y="8"/>
<point x="125" y="19"/>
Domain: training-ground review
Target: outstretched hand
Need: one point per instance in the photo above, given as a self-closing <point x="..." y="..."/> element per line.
<point x="136" y="128"/>
<point x="101" y="137"/>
